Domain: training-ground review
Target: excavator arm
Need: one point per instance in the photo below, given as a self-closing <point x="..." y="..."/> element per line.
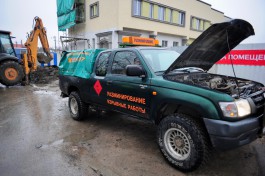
<point x="30" y="59"/>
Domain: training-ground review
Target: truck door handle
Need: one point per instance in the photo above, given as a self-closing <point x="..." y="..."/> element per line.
<point x="109" y="82"/>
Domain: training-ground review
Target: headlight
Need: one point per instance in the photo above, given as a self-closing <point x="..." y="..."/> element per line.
<point x="243" y="108"/>
<point x="239" y="108"/>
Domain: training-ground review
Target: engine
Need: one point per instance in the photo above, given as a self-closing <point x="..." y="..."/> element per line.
<point x="232" y="86"/>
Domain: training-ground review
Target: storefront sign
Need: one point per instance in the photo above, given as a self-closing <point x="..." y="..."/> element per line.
<point x="244" y="57"/>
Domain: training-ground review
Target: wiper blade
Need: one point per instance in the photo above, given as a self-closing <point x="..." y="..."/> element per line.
<point x="161" y="71"/>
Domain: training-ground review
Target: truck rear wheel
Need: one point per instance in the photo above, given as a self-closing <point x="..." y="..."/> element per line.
<point x="182" y="142"/>
<point x="78" y="109"/>
<point x="11" y="73"/>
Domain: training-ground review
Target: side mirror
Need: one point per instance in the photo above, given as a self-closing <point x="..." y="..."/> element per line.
<point x="135" y="70"/>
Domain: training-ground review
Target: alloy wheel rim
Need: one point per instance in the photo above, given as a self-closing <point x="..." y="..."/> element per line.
<point x="73" y="106"/>
<point x="177" y="144"/>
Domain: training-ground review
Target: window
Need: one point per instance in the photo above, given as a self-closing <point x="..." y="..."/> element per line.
<point x="94" y="10"/>
<point x="175" y="43"/>
<point x="137" y="7"/>
<point x="6" y="45"/>
<point x="199" y="24"/>
<point x="145" y="10"/>
<point x="181" y="18"/>
<point x="80" y="11"/>
<point x="102" y="64"/>
<point x="151" y="14"/>
<point x="168" y="15"/>
<point x="121" y="60"/>
<point x="157" y="12"/>
<point x="88" y="43"/>
<point x="161" y="15"/>
<point x="164" y="43"/>
<point x="206" y="24"/>
<point x="156" y="9"/>
<point x="178" y="17"/>
<point x="93" y="43"/>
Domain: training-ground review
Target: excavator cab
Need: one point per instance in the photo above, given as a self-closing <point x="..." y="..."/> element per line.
<point x="6" y="45"/>
<point x="11" y="72"/>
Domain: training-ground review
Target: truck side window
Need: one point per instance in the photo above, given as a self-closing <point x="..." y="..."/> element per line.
<point x="102" y="64"/>
<point x="122" y="59"/>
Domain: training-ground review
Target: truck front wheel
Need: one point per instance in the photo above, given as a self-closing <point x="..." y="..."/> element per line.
<point x="182" y="142"/>
<point x="78" y="109"/>
<point x="11" y="73"/>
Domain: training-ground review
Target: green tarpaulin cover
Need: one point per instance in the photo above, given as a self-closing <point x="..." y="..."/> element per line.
<point x="66" y="14"/>
<point x="78" y="63"/>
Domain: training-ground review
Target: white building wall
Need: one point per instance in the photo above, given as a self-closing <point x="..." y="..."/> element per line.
<point x="170" y="39"/>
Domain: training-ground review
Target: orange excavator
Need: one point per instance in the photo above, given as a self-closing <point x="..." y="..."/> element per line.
<point x="30" y="58"/>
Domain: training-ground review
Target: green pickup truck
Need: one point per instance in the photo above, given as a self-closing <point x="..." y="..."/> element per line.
<point x="195" y="111"/>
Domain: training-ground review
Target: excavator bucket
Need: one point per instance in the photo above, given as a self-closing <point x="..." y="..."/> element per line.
<point x="44" y="59"/>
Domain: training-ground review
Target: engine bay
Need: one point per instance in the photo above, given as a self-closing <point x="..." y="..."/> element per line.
<point x="235" y="87"/>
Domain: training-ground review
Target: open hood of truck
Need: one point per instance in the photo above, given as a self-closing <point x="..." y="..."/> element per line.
<point x="213" y="44"/>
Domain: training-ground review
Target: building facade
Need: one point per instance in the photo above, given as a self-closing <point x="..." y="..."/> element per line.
<point x="172" y="22"/>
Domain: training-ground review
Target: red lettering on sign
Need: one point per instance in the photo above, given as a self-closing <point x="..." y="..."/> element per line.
<point x="244" y="57"/>
<point x="97" y="87"/>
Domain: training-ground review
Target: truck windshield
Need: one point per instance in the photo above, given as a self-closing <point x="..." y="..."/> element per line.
<point x="5" y="44"/>
<point x="159" y="59"/>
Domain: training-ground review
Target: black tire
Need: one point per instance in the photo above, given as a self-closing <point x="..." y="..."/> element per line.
<point x="183" y="142"/>
<point x="11" y="73"/>
<point x="78" y="109"/>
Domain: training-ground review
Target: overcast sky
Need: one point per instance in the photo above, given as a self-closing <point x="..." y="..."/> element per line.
<point x="17" y="16"/>
<point x="252" y="11"/>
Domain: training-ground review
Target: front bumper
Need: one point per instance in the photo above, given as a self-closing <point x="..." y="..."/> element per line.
<point x="228" y="135"/>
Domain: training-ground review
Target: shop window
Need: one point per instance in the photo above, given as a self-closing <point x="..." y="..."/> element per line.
<point x="175" y="43"/>
<point x="164" y="43"/>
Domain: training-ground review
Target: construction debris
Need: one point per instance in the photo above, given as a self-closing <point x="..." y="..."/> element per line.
<point x="44" y="75"/>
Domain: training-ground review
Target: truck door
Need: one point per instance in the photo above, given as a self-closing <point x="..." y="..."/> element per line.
<point x="98" y="85"/>
<point x="130" y="94"/>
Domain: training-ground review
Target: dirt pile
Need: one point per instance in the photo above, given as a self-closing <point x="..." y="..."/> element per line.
<point x="44" y="75"/>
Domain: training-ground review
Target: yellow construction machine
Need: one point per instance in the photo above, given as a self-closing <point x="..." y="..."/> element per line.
<point x="30" y="58"/>
<point x="12" y="71"/>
